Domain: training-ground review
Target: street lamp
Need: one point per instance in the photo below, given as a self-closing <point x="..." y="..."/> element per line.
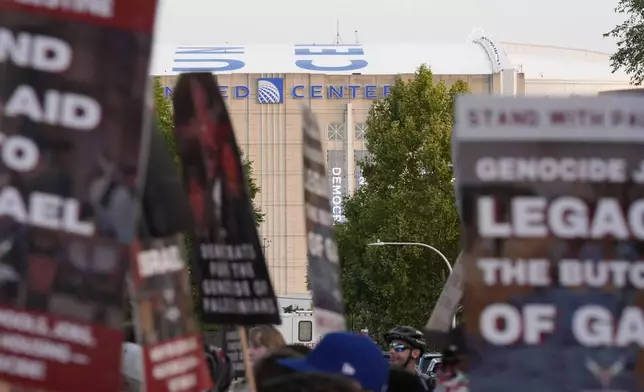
<point x="438" y="252"/>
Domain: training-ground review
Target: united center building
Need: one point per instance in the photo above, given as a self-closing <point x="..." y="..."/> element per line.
<point x="265" y="87"/>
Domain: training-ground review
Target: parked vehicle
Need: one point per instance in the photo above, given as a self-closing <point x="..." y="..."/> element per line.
<point x="426" y="361"/>
<point x="299" y="328"/>
<point x="433" y="367"/>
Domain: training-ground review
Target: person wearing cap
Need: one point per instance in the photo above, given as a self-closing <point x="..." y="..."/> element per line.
<point x="406" y="347"/>
<point x="451" y="377"/>
<point x="347" y="354"/>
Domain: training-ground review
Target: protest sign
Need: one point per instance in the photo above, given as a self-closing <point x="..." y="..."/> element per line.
<point x="233" y="348"/>
<point x="233" y="281"/>
<point x="72" y="92"/>
<point x="324" y="263"/>
<point x="174" y="359"/>
<point x="553" y="221"/>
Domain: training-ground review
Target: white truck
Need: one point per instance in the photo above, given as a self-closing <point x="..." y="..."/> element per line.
<point x="299" y="328"/>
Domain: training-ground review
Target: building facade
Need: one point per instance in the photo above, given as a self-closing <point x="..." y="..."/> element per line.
<point x="266" y="85"/>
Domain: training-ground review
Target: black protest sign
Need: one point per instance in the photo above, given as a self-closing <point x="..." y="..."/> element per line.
<point x="72" y="139"/>
<point x="234" y="349"/>
<point x="553" y="219"/>
<point x="324" y="266"/>
<point x="233" y="281"/>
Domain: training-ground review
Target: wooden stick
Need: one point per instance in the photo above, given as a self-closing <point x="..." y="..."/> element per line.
<point x="250" y="375"/>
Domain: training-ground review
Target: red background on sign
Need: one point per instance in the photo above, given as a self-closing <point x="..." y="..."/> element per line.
<point x="136" y="15"/>
<point x="204" y="381"/>
<point x="102" y="374"/>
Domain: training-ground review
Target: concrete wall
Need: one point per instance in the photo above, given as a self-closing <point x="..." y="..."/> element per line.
<point x="270" y="135"/>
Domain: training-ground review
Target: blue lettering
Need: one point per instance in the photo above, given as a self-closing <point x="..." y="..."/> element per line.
<point x="353" y="65"/>
<point x="241" y="92"/>
<point x="299" y="91"/>
<point x="354" y="90"/>
<point x="295" y="90"/>
<point x="209" y="50"/>
<point x="316" y="91"/>
<point x="311" y="50"/>
<point x="337" y="91"/>
<point x="228" y="64"/>
<point x="370" y="91"/>
<point x="329" y="52"/>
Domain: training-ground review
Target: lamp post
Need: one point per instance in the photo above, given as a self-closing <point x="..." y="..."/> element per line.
<point x="438" y="252"/>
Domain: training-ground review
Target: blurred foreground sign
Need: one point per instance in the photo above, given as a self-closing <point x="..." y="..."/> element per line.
<point x="553" y="221"/>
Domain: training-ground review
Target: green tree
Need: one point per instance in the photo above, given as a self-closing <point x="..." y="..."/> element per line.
<point x="166" y="124"/>
<point x="408" y="197"/>
<point x="630" y="40"/>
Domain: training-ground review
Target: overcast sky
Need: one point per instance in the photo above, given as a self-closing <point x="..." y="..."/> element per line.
<point x="570" y="23"/>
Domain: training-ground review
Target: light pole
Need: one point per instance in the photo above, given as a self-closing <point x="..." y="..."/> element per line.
<point x="438" y="252"/>
<point x="447" y="264"/>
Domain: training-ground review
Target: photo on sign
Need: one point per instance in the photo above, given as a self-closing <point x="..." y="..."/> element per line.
<point x="168" y="313"/>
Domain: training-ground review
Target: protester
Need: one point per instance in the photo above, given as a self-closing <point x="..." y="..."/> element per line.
<point x="406" y="347"/>
<point x="452" y="377"/>
<point x="310" y="382"/>
<point x="346" y="354"/>
<point x="263" y="339"/>
<point x="400" y="380"/>
<point x="300" y="348"/>
<point x="267" y="368"/>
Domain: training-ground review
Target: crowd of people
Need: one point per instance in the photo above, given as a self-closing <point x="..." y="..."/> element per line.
<point x="341" y="362"/>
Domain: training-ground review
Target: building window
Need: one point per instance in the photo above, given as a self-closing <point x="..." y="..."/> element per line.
<point x="336" y="131"/>
<point x="305" y="331"/>
<point x="360" y="128"/>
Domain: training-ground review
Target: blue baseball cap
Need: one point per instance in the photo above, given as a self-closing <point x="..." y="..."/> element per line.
<point x="347" y="354"/>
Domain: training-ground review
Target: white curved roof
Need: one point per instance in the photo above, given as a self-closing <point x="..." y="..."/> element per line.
<point x="540" y="62"/>
<point x="444" y="59"/>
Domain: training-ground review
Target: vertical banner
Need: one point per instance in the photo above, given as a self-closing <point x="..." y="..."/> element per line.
<point x="359" y="155"/>
<point x="72" y="92"/>
<point x="324" y="263"/>
<point x="553" y="221"/>
<point x="232" y="276"/>
<point x="337" y="177"/>
<point x="233" y="281"/>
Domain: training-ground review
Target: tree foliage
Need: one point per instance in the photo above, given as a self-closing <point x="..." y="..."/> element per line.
<point x="166" y="123"/>
<point x="408" y="197"/>
<point x="630" y="40"/>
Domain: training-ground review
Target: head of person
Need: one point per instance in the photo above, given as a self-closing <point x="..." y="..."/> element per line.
<point x="310" y="382"/>
<point x="262" y="339"/>
<point x="454" y="351"/>
<point x="400" y="380"/>
<point x="268" y="368"/>
<point x="406" y="346"/>
<point x="352" y="356"/>
<point x="300" y="348"/>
